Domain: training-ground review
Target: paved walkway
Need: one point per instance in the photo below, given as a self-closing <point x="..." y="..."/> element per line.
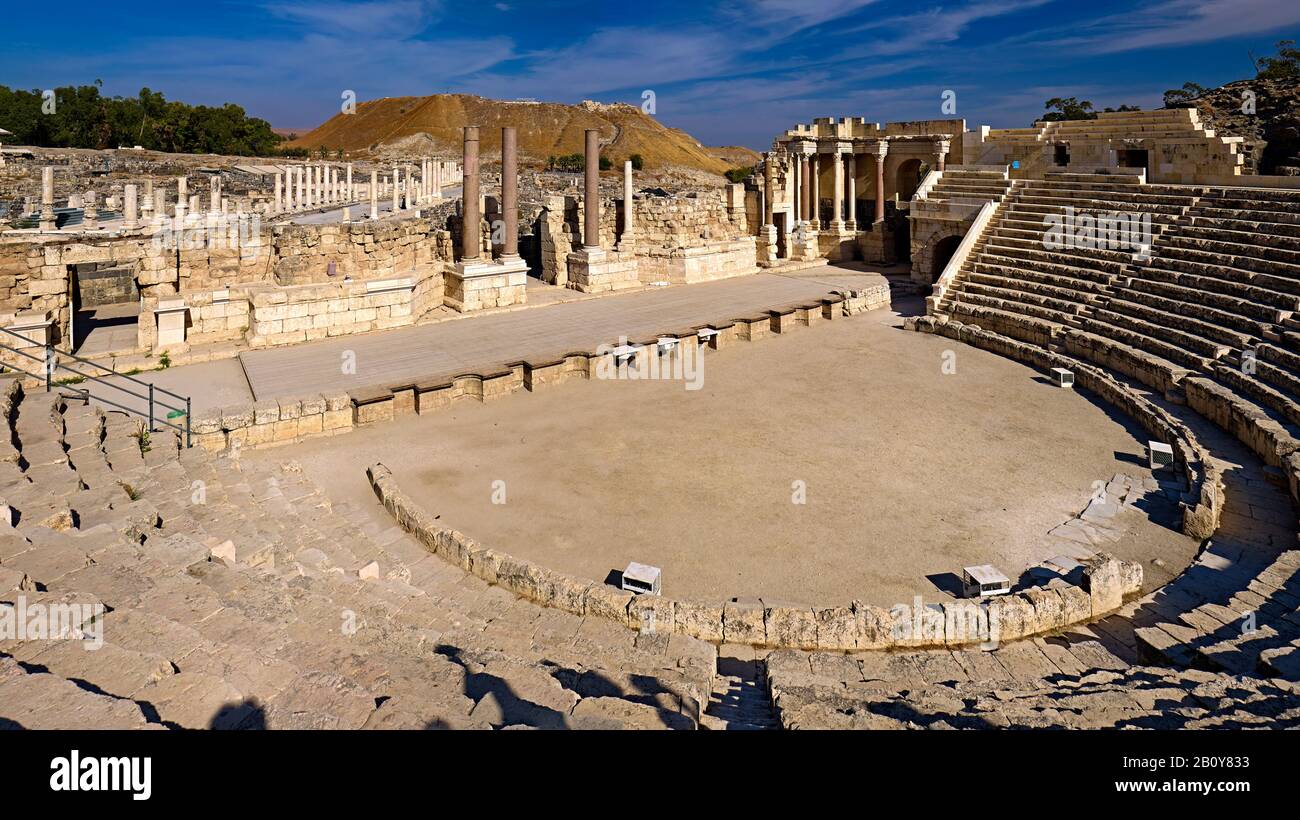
<point x="474" y="343"/>
<point x="557" y="321"/>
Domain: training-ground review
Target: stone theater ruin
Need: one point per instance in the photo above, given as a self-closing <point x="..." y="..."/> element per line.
<point x="327" y="440"/>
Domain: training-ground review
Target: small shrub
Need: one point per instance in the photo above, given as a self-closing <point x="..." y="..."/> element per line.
<point x="739" y="174"/>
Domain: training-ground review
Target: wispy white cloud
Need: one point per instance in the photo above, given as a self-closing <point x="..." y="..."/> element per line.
<point x="371" y="17"/>
<point x="1181" y="23"/>
<point x="793" y="16"/>
<point x="936" y="26"/>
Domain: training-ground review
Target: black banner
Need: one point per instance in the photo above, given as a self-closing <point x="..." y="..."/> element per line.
<point x="146" y="771"/>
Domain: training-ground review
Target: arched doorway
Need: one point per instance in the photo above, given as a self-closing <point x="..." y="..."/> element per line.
<point x="943" y="251"/>
<point x="907" y="178"/>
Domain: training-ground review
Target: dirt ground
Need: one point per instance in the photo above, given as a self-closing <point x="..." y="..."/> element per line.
<point x="836" y="463"/>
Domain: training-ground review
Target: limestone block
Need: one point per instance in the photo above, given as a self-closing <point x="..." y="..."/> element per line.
<point x="1101" y="578"/>
<point x="789" y="626"/>
<point x="607" y="602"/>
<point x="874" y="626"/>
<point x="1076" y="605"/>
<point x="266" y="412"/>
<point x="1010" y="617"/>
<point x="698" y="620"/>
<point x="373" y="411"/>
<point x="651" y="614"/>
<point x="1049" y="610"/>
<point x="237" y="416"/>
<point x="837" y="628"/>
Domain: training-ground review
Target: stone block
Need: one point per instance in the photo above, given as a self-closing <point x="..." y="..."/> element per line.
<point x="789" y="626"/>
<point x="698" y="620"/>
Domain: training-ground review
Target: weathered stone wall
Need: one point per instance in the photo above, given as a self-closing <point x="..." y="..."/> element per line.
<point x="690" y="237"/>
<point x="304" y="313"/>
<point x="361" y="250"/>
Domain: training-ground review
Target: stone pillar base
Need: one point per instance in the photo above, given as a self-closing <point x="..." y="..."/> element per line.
<point x="596" y="271"/>
<point x="170" y="316"/>
<point x="765" y="246"/>
<point x="481" y="285"/>
<point x="804" y="249"/>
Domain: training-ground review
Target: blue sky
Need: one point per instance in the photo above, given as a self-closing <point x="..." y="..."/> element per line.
<point x="728" y="73"/>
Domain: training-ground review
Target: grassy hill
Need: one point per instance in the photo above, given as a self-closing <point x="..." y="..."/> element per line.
<point x="433" y="124"/>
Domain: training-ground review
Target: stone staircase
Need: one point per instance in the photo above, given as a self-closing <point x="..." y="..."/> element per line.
<point x="237" y="597"/>
<point x="741" y="700"/>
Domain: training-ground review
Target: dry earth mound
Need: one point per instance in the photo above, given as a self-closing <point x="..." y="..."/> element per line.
<point x="545" y="129"/>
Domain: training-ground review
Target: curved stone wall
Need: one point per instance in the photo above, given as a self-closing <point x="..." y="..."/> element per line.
<point x="1105" y="582"/>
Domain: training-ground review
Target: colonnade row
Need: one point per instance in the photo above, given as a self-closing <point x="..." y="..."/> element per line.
<point x="806" y="161"/>
<point x="296" y="189"/>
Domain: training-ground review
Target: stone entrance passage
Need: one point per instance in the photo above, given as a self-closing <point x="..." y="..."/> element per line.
<point x="105" y="308"/>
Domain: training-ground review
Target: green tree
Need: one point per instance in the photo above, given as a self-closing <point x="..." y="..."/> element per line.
<point x="84" y="118"/>
<point x="637" y="162"/>
<point x="1068" y="108"/>
<point x="1284" y="66"/>
<point x="1182" y="97"/>
<point x="739" y="174"/>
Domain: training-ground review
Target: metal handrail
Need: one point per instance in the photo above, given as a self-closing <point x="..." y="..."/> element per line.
<point x="50" y="363"/>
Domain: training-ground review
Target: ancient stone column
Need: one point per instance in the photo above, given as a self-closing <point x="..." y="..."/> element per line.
<point x="769" y="183"/>
<point x="941" y="152"/>
<point x="815" y="203"/>
<point x="805" y="189"/>
<point x="159" y="204"/>
<point x="215" y="190"/>
<point x="470" y="241"/>
<point x="352" y="193"/>
<point x="301" y="174"/>
<point x="47" y="199"/>
<point x="591" y="194"/>
<point x="90" y="213"/>
<point x="837" y="216"/>
<point x="509" y="194"/>
<point x="374" y="194"/>
<point x="879" y="157"/>
<point x="397" y="194"/>
<point x="279" y="194"/>
<point x="853" y="191"/>
<point x="629" y="227"/>
<point x="130" y="210"/>
<point x="146" y="203"/>
<point x="182" y="196"/>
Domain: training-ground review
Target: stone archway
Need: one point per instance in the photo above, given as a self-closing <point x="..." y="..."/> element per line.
<point x="907" y="178"/>
<point x="942" y="255"/>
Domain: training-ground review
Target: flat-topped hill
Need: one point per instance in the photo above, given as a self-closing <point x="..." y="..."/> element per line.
<point x="433" y="125"/>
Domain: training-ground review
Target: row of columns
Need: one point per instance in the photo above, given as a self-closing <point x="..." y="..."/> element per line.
<point x="806" y="182"/>
<point x="308" y="187"/>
